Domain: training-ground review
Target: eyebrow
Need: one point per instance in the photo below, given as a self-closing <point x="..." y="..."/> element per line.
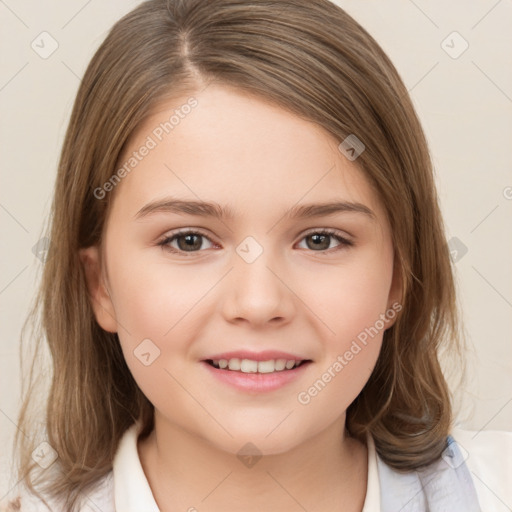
<point x="212" y="209"/>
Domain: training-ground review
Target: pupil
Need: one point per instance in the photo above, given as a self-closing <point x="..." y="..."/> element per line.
<point x="190" y="242"/>
<point x="320" y="239"/>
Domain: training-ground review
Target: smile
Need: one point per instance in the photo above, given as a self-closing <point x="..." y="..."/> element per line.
<point x="251" y="366"/>
<point x="255" y="377"/>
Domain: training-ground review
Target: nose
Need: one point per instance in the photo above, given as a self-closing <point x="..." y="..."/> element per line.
<point x="258" y="292"/>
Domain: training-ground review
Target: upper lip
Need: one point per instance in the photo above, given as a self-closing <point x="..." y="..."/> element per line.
<point x="266" y="355"/>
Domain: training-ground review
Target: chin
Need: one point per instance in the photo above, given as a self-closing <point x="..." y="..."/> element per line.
<point x="257" y="440"/>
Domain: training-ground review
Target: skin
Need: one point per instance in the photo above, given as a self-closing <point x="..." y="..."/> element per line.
<point x="260" y="160"/>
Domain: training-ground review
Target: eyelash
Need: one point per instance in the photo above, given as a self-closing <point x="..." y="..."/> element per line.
<point x="344" y="242"/>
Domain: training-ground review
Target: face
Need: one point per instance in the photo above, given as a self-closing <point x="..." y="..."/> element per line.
<point x="265" y="282"/>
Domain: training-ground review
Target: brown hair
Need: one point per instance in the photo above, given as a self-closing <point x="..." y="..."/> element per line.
<point x="311" y="58"/>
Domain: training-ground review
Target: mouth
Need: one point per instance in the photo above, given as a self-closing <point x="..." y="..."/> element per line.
<point x="256" y="377"/>
<point x="251" y="366"/>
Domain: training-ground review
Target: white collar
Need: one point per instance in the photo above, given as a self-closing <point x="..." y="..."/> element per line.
<point x="131" y="488"/>
<point x="372" y="500"/>
<point x="132" y="492"/>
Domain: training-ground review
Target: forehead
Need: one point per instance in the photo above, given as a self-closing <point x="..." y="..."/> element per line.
<point x="240" y="151"/>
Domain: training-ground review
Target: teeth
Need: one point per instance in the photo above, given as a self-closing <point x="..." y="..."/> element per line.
<point x="250" y="366"/>
<point x="234" y="364"/>
<point x="280" y="364"/>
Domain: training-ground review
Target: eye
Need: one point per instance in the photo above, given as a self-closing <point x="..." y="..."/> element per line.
<point x="320" y="240"/>
<point x="187" y="241"/>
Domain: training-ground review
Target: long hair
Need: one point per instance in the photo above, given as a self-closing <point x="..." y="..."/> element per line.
<point x="312" y="59"/>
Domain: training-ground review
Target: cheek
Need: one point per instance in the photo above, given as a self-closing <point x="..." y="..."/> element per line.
<point x="352" y="302"/>
<point x="160" y="302"/>
<point x="355" y="311"/>
<point x="152" y="297"/>
<point x="151" y="307"/>
<point x="350" y="297"/>
<point x="339" y="381"/>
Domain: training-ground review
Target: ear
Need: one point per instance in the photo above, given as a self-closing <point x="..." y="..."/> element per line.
<point x="98" y="293"/>
<point x="395" y="296"/>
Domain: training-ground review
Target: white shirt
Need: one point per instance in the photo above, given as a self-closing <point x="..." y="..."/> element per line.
<point x="126" y="488"/>
<point x="133" y="494"/>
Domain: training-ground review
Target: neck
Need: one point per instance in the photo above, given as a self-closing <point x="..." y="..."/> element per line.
<point x="185" y="472"/>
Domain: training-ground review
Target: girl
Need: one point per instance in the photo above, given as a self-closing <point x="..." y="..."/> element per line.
<point x="248" y="283"/>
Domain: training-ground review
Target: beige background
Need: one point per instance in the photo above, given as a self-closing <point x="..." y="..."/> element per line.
<point x="465" y="104"/>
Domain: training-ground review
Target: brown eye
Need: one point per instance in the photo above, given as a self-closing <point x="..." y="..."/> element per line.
<point x="320" y="241"/>
<point x="186" y="241"/>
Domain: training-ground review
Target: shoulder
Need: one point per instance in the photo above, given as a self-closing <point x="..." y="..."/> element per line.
<point x="473" y="474"/>
<point x="488" y="456"/>
<point x="99" y="499"/>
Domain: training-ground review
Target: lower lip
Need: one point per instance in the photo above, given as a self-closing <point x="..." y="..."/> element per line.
<point x="257" y="382"/>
